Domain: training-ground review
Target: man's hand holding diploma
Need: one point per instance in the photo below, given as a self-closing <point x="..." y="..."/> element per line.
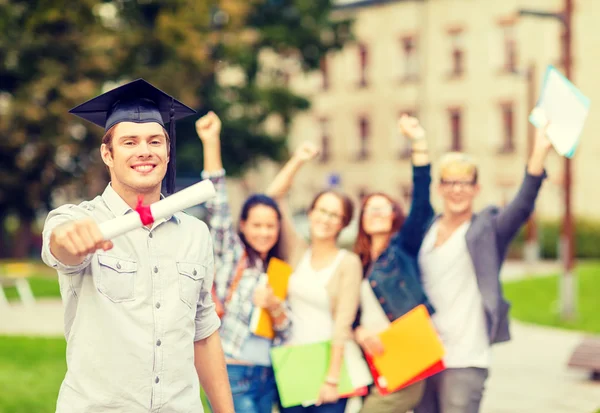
<point x="71" y="242"/>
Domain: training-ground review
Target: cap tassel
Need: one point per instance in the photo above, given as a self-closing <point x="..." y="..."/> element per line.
<point x="172" y="157"/>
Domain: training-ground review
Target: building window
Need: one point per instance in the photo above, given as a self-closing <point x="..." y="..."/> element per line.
<point x="410" y="60"/>
<point x="508" y="128"/>
<point x="455" y="129"/>
<point x="324" y="73"/>
<point x="458" y="53"/>
<point x="325" y="140"/>
<point x="510" y="47"/>
<point x="363" y="127"/>
<point x="405" y="147"/>
<point x="363" y="192"/>
<point x="363" y="58"/>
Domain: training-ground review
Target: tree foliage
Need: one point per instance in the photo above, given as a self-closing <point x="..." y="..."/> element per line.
<point x="56" y="54"/>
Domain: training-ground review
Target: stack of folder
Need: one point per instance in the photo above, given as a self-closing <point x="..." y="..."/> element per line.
<point x="301" y="370"/>
<point x="412" y="352"/>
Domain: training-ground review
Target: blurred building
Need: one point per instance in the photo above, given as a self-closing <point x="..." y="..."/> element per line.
<point x="461" y="66"/>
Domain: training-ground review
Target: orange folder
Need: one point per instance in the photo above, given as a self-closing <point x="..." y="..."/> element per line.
<point x="278" y="277"/>
<point x="411" y="348"/>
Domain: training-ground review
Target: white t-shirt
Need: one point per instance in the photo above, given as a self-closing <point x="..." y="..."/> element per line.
<point x="451" y="284"/>
<point x="309" y="302"/>
<point x="311" y="316"/>
<point x="372" y="316"/>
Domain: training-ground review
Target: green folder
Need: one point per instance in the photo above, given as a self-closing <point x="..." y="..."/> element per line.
<point x="205" y="402"/>
<point x="300" y="371"/>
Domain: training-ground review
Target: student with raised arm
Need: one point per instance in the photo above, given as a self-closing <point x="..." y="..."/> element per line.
<point x="241" y="258"/>
<point x="460" y="262"/>
<point x="140" y="323"/>
<point x="388" y="245"/>
<point x="323" y="291"/>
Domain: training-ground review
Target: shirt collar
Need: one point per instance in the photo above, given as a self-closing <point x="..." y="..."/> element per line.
<point x="119" y="207"/>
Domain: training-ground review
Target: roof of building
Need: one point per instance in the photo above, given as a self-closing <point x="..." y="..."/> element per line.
<point x="352" y="4"/>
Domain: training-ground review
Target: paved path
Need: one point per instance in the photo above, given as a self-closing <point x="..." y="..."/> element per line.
<point x="530" y="375"/>
<point x="514" y="270"/>
<point x="45" y="318"/>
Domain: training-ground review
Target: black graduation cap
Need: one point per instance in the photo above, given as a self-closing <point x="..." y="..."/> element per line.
<point x="138" y="102"/>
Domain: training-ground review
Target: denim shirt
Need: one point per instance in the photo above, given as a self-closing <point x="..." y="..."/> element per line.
<point x="394" y="276"/>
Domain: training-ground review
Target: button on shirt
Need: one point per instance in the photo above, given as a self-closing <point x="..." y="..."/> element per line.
<point x="133" y="313"/>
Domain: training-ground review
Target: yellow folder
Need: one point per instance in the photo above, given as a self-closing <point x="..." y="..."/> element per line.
<point x="411" y="345"/>
<point x="278" y="276"/>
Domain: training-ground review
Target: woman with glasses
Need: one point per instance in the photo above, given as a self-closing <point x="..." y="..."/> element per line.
<point x="323" y="291"/>
<point x="388" y="246"/>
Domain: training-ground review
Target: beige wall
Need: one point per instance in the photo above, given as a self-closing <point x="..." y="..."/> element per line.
<point x="479" y="92"/>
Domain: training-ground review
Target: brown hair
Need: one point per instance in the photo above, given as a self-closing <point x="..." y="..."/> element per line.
<point x="362" y="245"/>
<point x="347" y="206"/>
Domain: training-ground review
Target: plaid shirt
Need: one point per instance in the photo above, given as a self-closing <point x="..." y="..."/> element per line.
<point x="228" y="251"/>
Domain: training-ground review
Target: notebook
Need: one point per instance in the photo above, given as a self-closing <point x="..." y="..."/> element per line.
<point x="565" y="107"/>
<point x="278" y="276"/>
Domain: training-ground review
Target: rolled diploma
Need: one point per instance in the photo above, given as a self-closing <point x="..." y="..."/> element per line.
<point x="186" y="198"/>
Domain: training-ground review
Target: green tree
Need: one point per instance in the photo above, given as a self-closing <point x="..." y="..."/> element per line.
<point x="51" y="58"/>
<point x="57" y="54"/>
<point x="184" y="45"/>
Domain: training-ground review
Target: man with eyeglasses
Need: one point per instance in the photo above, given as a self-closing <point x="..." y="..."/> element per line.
<point x="460" y="261"/>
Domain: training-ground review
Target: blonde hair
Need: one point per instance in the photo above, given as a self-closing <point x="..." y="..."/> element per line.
<point x="458" y="162"/>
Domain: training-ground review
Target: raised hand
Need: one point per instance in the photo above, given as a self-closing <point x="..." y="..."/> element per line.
<point x="306" y="151"/>
<point x="208" y="128"/>
<point x="541" y="137"/>
<point x="410" y="127"/>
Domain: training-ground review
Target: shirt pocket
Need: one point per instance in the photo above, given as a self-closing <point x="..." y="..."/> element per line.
<point x="191" y="276"/>
<point x="116" y="278"/>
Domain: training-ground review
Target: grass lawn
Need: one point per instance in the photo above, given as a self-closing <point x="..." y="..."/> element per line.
<point x="42" y="287"/>
<point x="31" y="371"/>
<point x="536" y="300"/>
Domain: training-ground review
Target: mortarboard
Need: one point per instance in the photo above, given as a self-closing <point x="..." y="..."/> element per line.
<point x="138" y="102"/>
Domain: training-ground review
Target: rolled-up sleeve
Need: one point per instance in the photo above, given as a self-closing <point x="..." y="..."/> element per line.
<point x="54" y="219"/>
<point x="207" y="320"/>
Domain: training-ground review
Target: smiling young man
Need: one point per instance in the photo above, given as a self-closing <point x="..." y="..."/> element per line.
<point x="140" y="323"/>
<point x="460" y="261"/>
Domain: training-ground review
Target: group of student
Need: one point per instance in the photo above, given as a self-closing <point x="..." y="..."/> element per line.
<point x="449" y="263"/>
<point x="141" y="325"/>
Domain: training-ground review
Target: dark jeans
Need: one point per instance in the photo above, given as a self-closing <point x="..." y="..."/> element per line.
<point x="337" y="407"/>
<point x="454" y="391"/>
<point x="253" y="388"/>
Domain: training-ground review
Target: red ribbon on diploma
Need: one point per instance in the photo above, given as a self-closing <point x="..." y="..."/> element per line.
<point x="144" y="211"/>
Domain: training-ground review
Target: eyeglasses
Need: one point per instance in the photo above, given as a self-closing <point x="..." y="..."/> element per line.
<point x="458" y="183"/>
<point x="378" y="210"/>
<point x="330" y="215"/>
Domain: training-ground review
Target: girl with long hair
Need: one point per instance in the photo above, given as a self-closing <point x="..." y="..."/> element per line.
<point x="241" y="258"/>
<point x="388" y="246"/>
<point x="323" y="291"/>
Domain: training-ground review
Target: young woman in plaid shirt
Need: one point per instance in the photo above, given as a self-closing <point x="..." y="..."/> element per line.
<point x="241" y="258"/>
